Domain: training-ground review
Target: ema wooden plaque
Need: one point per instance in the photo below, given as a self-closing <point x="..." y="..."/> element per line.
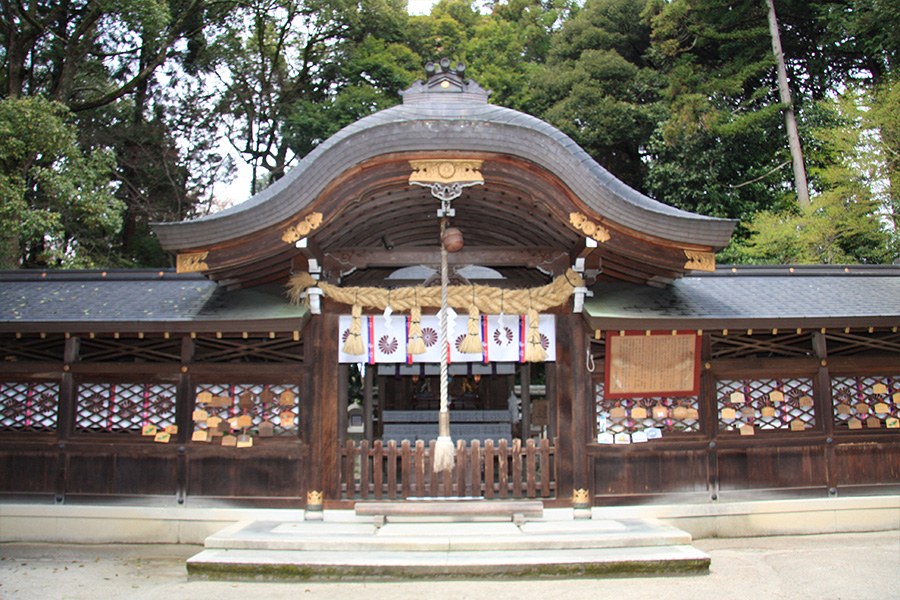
<point x="659" y="364"/>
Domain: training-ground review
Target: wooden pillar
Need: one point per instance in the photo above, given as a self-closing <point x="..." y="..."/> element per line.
<point x="709" y="416"/>
<point x="824" y="407"/>
<point x="525" y="387"/>
<point x="324" y="450"/>
<point x="571" y="384"/>
<point x="343" y="395"/>
<point x="185" y="395"/>
<point x="368" y="398"/>
<point x="65" y="415"/>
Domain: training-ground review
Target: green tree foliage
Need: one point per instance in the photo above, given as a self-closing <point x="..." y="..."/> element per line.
<point x="721" y="149"/>
<point x="854" y="217"/>
<point x="281" y="60"/>
<point x="56" y="205"/>
<point x="503" y="48"/>
<point x="115" y="66"/>
<point x="599" y="88"/>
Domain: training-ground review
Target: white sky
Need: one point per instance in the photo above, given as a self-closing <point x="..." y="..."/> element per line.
<point x="420" y="7"/>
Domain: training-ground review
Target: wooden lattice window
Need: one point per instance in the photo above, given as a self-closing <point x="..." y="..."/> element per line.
<point x="749" y="405"/>
<point x="257" y="410"/>
<point x="866" y="402"/>
<point x="238" y="349"/>
<point x="854" y="342"/>
<point x="124" y="407"/>
<point x="28" y="406"/>
<point x="655" y="417"/>
<point x="32" y="348"/>
<point x="130" y="349"/>
<point x="761" y="344"/>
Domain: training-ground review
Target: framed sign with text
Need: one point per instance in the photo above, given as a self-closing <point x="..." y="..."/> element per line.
<point x="655" y="364"/>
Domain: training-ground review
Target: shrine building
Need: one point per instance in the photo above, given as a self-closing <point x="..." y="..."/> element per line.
<point x="595" y="354"/>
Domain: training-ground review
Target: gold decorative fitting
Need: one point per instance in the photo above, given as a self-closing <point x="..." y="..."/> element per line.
<point x="445" y="171"/>
<point x="303" y="228"/>
<point x="191" y="263"/>
<point x="580" y="496"/>
<point x="313" y="497"/>
<point x="700" y="261"/>
<point x="592" y="230"/>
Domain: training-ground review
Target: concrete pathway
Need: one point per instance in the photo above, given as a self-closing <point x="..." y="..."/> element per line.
<point x="857" y="566"/>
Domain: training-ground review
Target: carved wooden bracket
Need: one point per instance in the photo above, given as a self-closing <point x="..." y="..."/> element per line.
<point x="303" y="228"/>
<point x="700" y="261"/>
<point x="191" y="263"/>
<point x="590" y="229"/>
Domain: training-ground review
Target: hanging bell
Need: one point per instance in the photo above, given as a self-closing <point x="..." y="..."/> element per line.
<point x="452" y="239"/>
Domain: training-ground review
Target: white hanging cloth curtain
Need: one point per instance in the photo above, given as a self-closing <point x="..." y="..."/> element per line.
<point x="503" y="339"/>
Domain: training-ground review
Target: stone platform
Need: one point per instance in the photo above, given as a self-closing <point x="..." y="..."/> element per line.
<point x="358" y="549"/>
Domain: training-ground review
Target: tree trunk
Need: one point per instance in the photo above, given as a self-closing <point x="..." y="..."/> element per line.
<point x="789" y="119"/>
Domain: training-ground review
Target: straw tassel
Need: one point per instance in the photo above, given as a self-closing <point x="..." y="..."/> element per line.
<point x="534" y="350"/>
<point x="416" y="342"/>
<point x="354" y="343"/>
<point x="471" y="344"/>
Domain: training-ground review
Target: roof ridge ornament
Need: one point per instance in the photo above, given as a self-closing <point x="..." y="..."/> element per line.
<point x="446" y="82"/>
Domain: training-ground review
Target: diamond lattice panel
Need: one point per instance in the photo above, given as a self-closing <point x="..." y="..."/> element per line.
<point x="866" y="402"/>
<point x="766" y="404"/>
<point x="125" y="407"/>
<point x="257" y="410"/>
<point x="668" y="415"/>
<point x="28" y="406"/>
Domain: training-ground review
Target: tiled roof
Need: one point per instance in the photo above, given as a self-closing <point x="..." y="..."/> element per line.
<point x="434" y="121"/>
<point x="810" y="296"/>
<point x="127" y="299"/>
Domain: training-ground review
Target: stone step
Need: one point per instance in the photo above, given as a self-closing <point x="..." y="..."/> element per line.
<point x="446" y="536"/>
<point x="221" y="564"/>
<point x="358" y="549"/>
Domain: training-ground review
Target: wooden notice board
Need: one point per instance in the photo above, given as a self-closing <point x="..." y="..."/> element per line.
<point x="658" y="364"/>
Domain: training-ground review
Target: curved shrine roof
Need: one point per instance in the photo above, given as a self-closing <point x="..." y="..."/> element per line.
<point x="534" y="203"/>
<point x="431" y="120"/>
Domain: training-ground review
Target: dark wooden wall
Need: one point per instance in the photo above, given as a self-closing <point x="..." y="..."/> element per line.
<point x="708" y="461"/>
<point x="50" y="449"/>
<point x="82" y="454"/>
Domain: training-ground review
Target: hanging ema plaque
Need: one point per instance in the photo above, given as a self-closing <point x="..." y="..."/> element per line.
<point x="652" y="364"/>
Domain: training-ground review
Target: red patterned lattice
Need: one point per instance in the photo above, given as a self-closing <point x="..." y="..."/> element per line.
<point x="866" y="402"/>
<point x="766" y="404"/>
<point x="669" y="415"/>
<point x="28" y="406"/>
<point x="124" y="407"/>
<point x="269" y="406"/>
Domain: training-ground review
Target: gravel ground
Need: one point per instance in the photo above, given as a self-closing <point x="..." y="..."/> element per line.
<point x="857" y="566"/>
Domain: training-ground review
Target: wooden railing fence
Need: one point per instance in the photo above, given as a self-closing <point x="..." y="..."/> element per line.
<point x="391" y="471"/>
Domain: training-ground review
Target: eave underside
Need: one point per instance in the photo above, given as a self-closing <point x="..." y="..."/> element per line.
<point x="375" y="221"/>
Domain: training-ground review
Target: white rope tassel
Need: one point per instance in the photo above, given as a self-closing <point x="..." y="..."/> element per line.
<point x="443" y="449"/>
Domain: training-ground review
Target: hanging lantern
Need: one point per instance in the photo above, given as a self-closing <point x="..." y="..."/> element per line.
<point x="452" y="239"/>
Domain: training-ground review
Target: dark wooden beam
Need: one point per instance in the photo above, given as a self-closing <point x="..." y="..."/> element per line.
<point x="549" y="259"/>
